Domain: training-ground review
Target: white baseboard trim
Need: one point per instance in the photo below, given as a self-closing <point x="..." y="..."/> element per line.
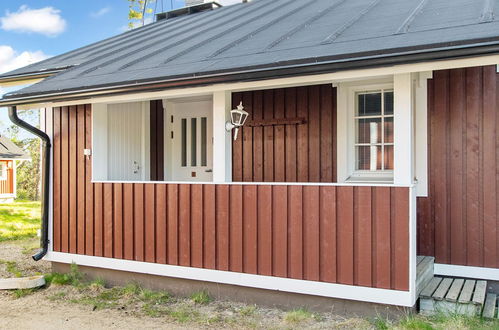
<point x="467" y="271"/>
<point x="340" y="291"/>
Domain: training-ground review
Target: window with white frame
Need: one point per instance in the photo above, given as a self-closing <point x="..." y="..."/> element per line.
<point x="373" y="133"/>
<point x="3" y="171"/>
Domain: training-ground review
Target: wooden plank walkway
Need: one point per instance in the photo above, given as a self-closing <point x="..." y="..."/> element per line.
<point x="424" y="272"/>
<point x="459" y="296"/>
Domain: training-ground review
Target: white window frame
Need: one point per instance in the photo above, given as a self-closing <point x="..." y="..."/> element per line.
<point x="3" y="171"/>
<point x="353" y="175"/>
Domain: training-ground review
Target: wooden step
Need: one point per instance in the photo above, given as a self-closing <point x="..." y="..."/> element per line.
<point x="424" y="272"/>
<point x="454" y="296"/>
<point x="489" y="309"/>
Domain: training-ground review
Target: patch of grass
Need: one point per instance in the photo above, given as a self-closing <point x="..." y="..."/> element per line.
<point x="416" y="323"/>
<point x="201" y="297"/>
<point x="380" y="323"/>
<point x="247" y="310"/>
<point x="20" y="293"/>
<point x="19" y="220"/>
<point x="298" y="316"/>
<point x="74" y="277"/>
<point x="183" y="314"/>
<point x="11" y="267"/>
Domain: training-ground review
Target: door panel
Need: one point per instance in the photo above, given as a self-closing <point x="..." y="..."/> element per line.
<point x="192" y="142"/>
<point x="125" y="142"/>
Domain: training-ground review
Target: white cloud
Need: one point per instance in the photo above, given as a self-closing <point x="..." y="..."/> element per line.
<point x="47" y="21"/>
<point x="11" y="60"/>
<point x="100" y="12"/>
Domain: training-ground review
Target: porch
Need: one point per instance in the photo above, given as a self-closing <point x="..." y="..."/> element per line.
<point x="315" y="189"/>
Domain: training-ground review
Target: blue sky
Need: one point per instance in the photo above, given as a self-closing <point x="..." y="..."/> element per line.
<point x="32" y="30"/>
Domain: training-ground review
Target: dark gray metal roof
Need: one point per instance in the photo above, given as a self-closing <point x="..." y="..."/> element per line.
<point x="8" y="150"/>
<point x="269" y="34"/>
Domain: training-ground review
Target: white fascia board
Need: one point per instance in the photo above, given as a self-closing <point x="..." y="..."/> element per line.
<point x="482" y="273"/>
<point x="287" y="82"/>
<point x="339" y="291"/>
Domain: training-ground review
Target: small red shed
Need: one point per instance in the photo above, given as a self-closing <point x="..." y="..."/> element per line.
<point x="9" y="155"/>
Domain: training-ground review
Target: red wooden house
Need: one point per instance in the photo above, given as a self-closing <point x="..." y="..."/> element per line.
<point x="9" y="154"/>
<point x="371" y="138"/>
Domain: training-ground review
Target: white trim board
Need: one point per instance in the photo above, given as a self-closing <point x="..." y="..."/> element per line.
<point x="340" y="291"/>
<point x="467" y="271"/>
<point x="287" y="82"/>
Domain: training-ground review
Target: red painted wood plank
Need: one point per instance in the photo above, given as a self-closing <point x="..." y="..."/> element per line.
<point x="184" y="224"/>
<point x="246" y="134"/>
<point x="266" y="246"/>
<point x="327" y="240"/>
<point x="268" y="137"/>
<point x="57" y="204"/>
<point x="439" y="165"/>
<point x="210" y="227"/>
<point x="457" y="102"/>
<point x="400" y="238"/>
<point x="280" y="231"/>
<point x="279" y="138"/>
<point x="290" y="130"/>
<point x="99" y="221"/>
<point x="73" y="180"/>
<point x="311" y="233"/>
<point x="172" y="213"/>
<point x="108" y="220"/>
<point x="473" y="149"/>
<point x="237" y="147"/>
<point x="89" y="187"/>
<point x="138" y="220"/>
<point x="363" y="232"/>
<point x="197" y="225"/>
<point x="128" y="222"/>
<point x="150" y="222"/>
<point x="80" y="179"/>
<point x="223" y="234"/>
<point x="381" y="227"/>
<point x="257" y="114"/>
<point x="326" y="133"/>
<point x="490" y="216"/>
<point x="314" y="135"/>
<point x="118" y="220"/>
<point x="345" y="238"/>
<point x="295" y="242"/>
<point x="236" y="229"/>
<point x="64" y="179"/>
<point x="161" y="224"/>
<point x="250" y="231"/>
<point x="302" y="135"/>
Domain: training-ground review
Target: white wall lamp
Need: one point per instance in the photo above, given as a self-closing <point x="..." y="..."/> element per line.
<point x="237" y="119"/>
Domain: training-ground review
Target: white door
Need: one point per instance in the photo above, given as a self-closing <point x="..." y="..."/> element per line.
<point x="126" y="142"/>
<point x="192" y="145"/>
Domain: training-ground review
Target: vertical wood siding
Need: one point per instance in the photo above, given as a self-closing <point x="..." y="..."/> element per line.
<point x="157" y="140"/>
<point x="287" y="153"/>
<point x="458" y="222"/>
<point x="347" y="235"/>
<point x="7" y="186"/>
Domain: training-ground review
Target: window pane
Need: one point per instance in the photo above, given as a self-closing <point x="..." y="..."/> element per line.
<point x="369" y="104"/>
<point x="389" y="130"/>
<point x="388" y="157"/>
<point x="203" y="141"/>
<point x="184" y="142"/>
<point x="369" y="130"/>
<point x="368" y="158"/>
<point x="388" y="103"/>
<point x="194" y="141"/>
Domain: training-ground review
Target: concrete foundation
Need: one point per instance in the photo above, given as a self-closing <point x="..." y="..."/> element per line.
<point x="261" y="297"/>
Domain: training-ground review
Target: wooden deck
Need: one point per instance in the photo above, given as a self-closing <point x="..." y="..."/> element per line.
<point x="424" y="272"/>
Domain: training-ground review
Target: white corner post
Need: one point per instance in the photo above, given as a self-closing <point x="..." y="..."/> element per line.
<point x="404" y="85"/>
<point x="403" y="129"/>
<point x="222" y="144"/>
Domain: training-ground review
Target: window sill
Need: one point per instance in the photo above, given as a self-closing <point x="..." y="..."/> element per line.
<point x="370" y="179"/>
